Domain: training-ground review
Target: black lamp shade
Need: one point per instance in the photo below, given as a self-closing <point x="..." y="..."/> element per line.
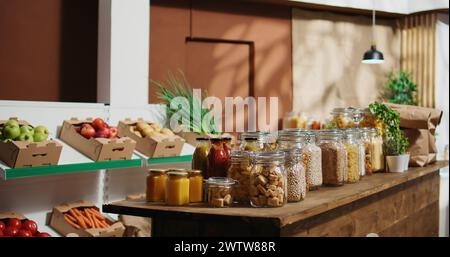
<point x="373" y="56"/>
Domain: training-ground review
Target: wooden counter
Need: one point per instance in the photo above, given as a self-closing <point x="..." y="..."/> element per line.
<point x="390" y="204"/>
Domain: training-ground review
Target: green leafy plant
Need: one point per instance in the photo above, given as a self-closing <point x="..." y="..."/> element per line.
<point x="395" y="141"/>
<point x="177" y="86"/>
<point x="401" y="89"/>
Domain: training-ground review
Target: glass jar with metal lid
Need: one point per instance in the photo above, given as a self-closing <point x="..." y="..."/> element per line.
<point x="258" y="141"/>
<point x="177" y="188"/>
<point x="377" y="151"/>
<point x="195" y="186"/>
<point x="291" y="138"/>
<point x="334" y="157"/>
<point x="240" y="170"/>
<point x="366" y="139"/>
<point x="200" y="156"/>
<point x="156" y="185"/>
<point x="219" y="191"/>
<point x="295" y="173"/>
<point x="219" y="157"/>
<point x="268" y="180"/>
<point x="343" y="117"/>
<point x="352" y="146"/>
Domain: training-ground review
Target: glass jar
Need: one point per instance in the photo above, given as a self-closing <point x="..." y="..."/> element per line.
<point x="219" y="157"/>
<point x="156" y="185"/>
<point x="195" y="186"/>
<point x="294" y="120"/>
<point x="312" y="161"/>
<point x="200" y="156"/>
<point x="240" y="170"/>
<point x="351" y="142"/>
<point x="219" y="191"/>
<point x="291" y="138"/>
<point x="377" y="151"/>
<point x="268" y="180"/>
<point x="258" y="141"/>
<point x="296" y="180"/>
<point x="366" y="139"/>
<point x="177" y="188"/>
<point x="343" y="118"/>
<point x="361" y="155"/>
<point x="334" y="157"/>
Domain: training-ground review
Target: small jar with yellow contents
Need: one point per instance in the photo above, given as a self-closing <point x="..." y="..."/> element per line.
<point x="156" y="185"/>
<point x="195" y="186"/>
<point x="177" y="188"/>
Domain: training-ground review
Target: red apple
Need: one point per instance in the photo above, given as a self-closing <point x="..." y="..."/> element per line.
<point x="103" y="133"/>
<point x="87" y="131"/>
<point x="99" y="124"/>
<point x="10" y="231"/>
<point x="24" y="233"/>
<point x="43" y="234"/>
<point x="2" y="225"/>
<point x="113" y="132"/>
<point x="30" y="226"/>
<point x="15" y="223"/>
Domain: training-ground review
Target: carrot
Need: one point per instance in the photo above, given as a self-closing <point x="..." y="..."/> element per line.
<point x="96" y="225"/>
<point x="71" y="222"/>
<point x="72" y="218"/>
<point x="89" y="217"/>
<point x="97" y="214"/>
<point x="77" y="212"/>
<point x="72" y="211"/>
<point x="105" y="224"/>
<point x="81" y="221"/>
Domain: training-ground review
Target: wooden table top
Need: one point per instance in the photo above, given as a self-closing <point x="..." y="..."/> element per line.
<point x="316" y="202"/>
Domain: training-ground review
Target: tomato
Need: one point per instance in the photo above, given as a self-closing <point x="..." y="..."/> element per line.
<point x="30" y="226"/>
<point x="43" y="234"/>
<point x="24" y="233"/>
<point x="2" y="226"/>
<point x="13" y="222"/>
<point x="11" y="231"/>
<point x="1" y="233"/>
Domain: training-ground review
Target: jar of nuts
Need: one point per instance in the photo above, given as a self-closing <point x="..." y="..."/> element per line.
<point x="219" y="191"/>
<point x="334" y="157"/>
<point x="268" y="180"/>
<point x="296" y="180"/>
<point x="240" y="170"/>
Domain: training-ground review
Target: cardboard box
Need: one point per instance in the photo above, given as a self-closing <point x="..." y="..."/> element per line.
<point x="98" y="149"/>
<point x="152" y="146"/>
<point x="10" y="214"/>
<point x="59" y="224"/>
<point x="23" y="154"/>
<point x="191" y="137"/>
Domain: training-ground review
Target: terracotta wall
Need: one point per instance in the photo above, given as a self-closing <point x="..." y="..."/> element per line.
<point x="48" y="50"/>
<point x="233" y="48"/>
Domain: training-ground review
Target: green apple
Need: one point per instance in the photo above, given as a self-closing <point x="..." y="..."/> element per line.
<point x="26" y="129"/>
<point x="26" y="137"/>
<point x="39" y="137"/>
<point x="41" y="129"/>
<point x="12" y="123"/>
<point x="11" y="132"/>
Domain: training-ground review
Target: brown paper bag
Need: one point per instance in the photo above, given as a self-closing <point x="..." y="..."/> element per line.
<point x="419" y="125"/>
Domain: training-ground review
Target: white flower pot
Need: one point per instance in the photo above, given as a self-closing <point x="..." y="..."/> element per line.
<point x="398" y="163"/>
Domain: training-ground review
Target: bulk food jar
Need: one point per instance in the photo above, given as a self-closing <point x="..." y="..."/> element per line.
<point x="377" y="150"/>
<point x="156" y="185"/>
<point x="343" y="118"/>
<point x="352" y="146"/>
<point x="296" y="180"/>
<point x="177" y="188"/>
<point x="334" y="157"/>
<point x="240" y="170"/>
<point x="219" y="191"/>
<point x="366" y="139"/>
<point x="195" y="186"/>
<point x="258" y="141"/>
<point x="219" y="157"/>
<point x="268" y="180"/>
<point x="200" y="156"/>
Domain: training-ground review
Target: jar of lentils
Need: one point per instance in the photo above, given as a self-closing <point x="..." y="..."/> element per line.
<point x="240" y="170"/>
<point x="334" y="157"/>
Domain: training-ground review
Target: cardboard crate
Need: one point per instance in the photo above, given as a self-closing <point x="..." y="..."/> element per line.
<point x="98" y="149"/>
<point x="9" y="214"/>
<point x="24" y="154"/>
<point x="60" y="225"/>
<point x="152" y="146"/>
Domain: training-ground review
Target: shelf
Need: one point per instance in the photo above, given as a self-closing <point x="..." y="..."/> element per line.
<point x="8" y="173"/>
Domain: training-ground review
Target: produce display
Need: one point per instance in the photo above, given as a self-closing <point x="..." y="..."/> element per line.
<point x="84" y="218"/>
<point x="14" y="227"/>
<point x="240" y="171"/>
<point x="97" y="129"/>
<point x="144" y="129"/>
<point x="13" y="131"/>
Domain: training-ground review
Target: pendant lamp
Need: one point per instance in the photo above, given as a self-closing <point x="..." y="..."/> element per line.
<point x="373" y="56"/>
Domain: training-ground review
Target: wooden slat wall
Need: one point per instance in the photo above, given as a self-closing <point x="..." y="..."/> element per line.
<point x="418" y="54"/>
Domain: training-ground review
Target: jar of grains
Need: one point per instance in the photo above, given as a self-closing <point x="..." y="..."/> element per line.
<point x="296" y="181"/>
<point x="268" y="180"/>
<point x="377" y="150"/>
<point x="366" y="139"/>
<point x="351" y="141"/>
<point x="334" y="157"/>
<point x="361" y="155"/>
<point x="240" y="170"/>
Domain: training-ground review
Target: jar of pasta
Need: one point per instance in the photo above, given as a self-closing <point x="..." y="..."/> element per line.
<point x="195" y="186"/>
<point x="240" y="170"/>
<point x="156" y="185"/>
<point x="268" y="180"/>
<point x="334" y="157"/>
<point x="219" y="191"/>
<point x="361" y="154"/>
<point x="177" y="188"/>
<point x="351" y="142"/>
<point x="366" y="139"/>
<point x="377" y="151"/>
<point x="343" y="118"/>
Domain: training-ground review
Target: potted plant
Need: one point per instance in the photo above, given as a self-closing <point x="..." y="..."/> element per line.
<point x="395" y="146"/>
<point x="400" y="89"/>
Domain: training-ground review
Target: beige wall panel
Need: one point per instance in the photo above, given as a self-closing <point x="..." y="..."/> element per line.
<point x="327" y="52"/>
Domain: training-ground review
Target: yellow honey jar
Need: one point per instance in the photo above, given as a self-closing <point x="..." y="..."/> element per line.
<point x="195" y="186"/>
<point x="177" y="188"/>
<point x="156" y="185"/>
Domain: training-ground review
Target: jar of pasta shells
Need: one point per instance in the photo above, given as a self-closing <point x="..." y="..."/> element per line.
<point x="240" y="170"/>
